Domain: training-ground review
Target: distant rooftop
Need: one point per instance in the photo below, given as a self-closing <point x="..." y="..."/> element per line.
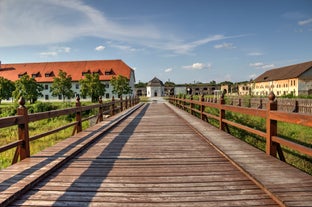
<point x="155" y="82"/>
<point x="287" y="72"/>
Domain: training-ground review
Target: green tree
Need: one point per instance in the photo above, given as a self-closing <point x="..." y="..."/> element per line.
<point x="62" y="85"/>
<point x="6" y="88"/>
<point x="140" y="85"/>
<point x="92" y="86"/>
<point x="169" y="84"/>
<point x="120" y="85"/>
<point x="28" y="88"/>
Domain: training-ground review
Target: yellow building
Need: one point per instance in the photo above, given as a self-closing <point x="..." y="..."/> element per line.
<point x="293" y="79"/>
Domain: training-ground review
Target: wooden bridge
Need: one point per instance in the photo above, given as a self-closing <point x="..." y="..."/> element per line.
<point x="153" y="154"/>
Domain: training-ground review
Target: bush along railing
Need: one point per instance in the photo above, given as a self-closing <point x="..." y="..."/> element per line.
<point x="22" y="119"/>
<point x="271" y="115"/>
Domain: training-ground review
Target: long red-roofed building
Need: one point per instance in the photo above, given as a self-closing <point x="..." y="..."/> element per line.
<point x="44" y="72"/>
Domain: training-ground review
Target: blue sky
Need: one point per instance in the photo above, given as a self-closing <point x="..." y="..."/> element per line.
<point x="184" y="41"/>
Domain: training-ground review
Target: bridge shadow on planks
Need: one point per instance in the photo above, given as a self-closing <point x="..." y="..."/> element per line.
<point x="46" y="161"/>
<point x="117" y="145"/>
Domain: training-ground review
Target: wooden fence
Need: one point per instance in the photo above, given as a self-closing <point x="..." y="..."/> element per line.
<point x="283" y="104"/>
<point x="267" y="110"/>
<point x="22" y="119"/>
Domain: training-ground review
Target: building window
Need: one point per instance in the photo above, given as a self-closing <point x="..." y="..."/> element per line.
<point x="34" y="75"/>
<point x="86" y="72"/>
<point x="107" y="95"/>
<point x="46" y="97"/>
<point x="77" y="86"/>
<point x="107" y="85"/>
<point x="60" y="97"/>
<point x="21" y="74"/>
<point x="99" y="72"/>
<point x="46" y="86"/>
<point x="109" y="72"/>
<point x="49" y="74"/>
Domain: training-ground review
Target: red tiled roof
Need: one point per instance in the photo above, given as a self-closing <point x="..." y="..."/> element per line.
<point x="106" y="68"/>
<point x="292" y="71"/>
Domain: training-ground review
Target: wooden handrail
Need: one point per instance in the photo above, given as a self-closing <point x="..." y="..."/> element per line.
<point x="22" y="119"/>
<point x="270" y="114"/>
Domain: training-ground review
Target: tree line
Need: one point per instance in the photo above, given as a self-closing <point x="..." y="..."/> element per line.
<point x="90" y="86"/>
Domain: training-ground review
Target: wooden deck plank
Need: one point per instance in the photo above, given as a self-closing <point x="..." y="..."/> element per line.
<point x="155" y="158"/>
<point x="145" y="162"/>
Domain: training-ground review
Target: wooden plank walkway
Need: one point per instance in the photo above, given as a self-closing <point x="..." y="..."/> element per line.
<point x="156" y="158"/>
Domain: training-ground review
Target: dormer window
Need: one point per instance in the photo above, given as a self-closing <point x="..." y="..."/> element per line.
<point x="35" y="75"/>
<point x="49" y="74"/>
<point x="98" y="72"/>
<point x="86" y="72"/>
<point x="109" y="72"/>
<point x="21" y="74"/>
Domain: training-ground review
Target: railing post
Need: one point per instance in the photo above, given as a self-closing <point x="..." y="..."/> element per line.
<point x="221" y="113"/>
<point x="113" y="106"/>
<point x="202" y="107"/>
<point x="126" y="103"/>
<point x="183" y="105"/>
<point x="260" y="104"/>
<point x="100" y="117"/>
<point x="121" y="104"/>
<point x="191" y="105"/>
<point x="23" y="150"/>
<point x="239" y="102"/>
<point x="78" y="114"/>
<point x="271" y="126"/>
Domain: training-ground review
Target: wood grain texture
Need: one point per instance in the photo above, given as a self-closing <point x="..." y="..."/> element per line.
<point x="153" y="158"/>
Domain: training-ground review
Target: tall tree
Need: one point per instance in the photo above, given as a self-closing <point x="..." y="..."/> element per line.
<point x="28" y="88"/>
<point x="6" y="88"/>
<point x="120" y="85"/>
<point x="62" y="85"/>
<point x="92" y="86"/>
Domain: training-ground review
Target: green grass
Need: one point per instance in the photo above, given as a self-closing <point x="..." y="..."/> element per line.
<point x="293" y="132"/>
<point x="9" y="134"/>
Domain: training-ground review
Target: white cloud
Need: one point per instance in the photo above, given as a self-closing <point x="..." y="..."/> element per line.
<point x="100" y="48"/>
<point x="225" y="46"/>
<point x="255" y="54"/>
<point x="36" y="22"/>
<point x="253" y="76"/>
<point x="268" y="66"/>
<point x="197" y="66"/>
<point x="260" y="65"/>
<point x="62" y="49"/>
<point x="168" y="70"/>
<point x="304" y="22"/>
<point x="182" y="47"/>
<point x="48" y="54"/>
<point x="55" y="51"/>
<point x="124" y="47"/>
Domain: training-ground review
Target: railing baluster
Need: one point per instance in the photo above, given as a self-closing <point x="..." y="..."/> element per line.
<point x="78" y="115"/>
<point x="271" y="126"/>
<point x="23" y="150"/>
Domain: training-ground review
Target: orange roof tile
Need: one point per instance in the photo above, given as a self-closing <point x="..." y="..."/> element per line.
<point x="106" y="68"/>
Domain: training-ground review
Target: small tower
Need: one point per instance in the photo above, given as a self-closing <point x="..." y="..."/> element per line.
<point x="155" y="88"/>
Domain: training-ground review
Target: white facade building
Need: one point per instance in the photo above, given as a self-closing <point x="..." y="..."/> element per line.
<point x="45" y="72"/>
<point x="155" y="88"/>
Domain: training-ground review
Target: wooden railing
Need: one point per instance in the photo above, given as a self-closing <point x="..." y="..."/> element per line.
<point x="22" y="119"/>
<point x="270" y="114"/>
